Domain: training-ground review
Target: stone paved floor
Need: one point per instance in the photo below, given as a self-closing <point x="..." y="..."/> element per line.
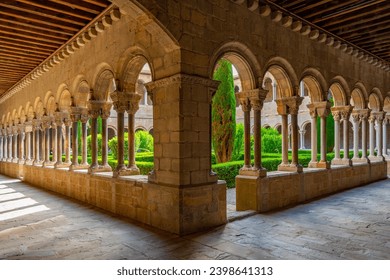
<point x="355" y="224"/>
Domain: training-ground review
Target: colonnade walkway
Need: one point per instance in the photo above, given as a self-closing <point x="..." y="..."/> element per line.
<point x="36" y="224"/>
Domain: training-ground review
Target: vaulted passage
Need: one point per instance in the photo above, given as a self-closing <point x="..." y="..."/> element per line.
<point x="148" y="65"/>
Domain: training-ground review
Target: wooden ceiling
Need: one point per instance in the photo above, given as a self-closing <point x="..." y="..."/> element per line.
<point x="31" y="30"/>
<point x="364" y="23"/>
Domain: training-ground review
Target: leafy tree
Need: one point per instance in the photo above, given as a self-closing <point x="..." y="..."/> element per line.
<point x="238" y="142"/>
<point x="143" y="143"/>
<point x="224" y="113"/>
<point x="271" y="140"/>
<point x="329" y="131"/>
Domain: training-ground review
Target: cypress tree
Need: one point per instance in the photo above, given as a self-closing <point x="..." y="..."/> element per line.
<point x="223" y="113"/>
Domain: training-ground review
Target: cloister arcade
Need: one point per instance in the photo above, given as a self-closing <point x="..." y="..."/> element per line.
<point x="182" y="194"/>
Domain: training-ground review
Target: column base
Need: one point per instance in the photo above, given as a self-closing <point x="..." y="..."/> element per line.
<point x="319" y="164"/>
<point x="342" y="161"/>
<point x="256" y="172"/>
<point x="38" y="163"/>
<point x="126" y="171"/>
<point x="78" y="166"/>
<point x="21" y="161"/>
<point x="290" y="168"/>
<point x="15" y="160"/>
<point x="28" y="162"/>
<point x="360" y="160"/>
<point x="48" y="163"/>
<point x="61" y="165"/>
<point x="99" y="168"/>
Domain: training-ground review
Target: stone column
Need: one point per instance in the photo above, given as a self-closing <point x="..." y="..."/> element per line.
<point x="363" y="117"/>
<point x="15" y="144"/>
<point x="1" y="144"/>
<point x="94" y="110"/>
<point x="379" y="119"/>
<point x="120" y="106"/>
<point x="336" y="117"/>
<point x="302" y="138"/>
<point x="345" y="118"/>
<point x="246" y="108"/>
<point x="75" y="145"/>
<point x="10" y="145"/>
<point x="134" y="99"/>
<point x="294" y="132"/>
<point x="37" y="129"/>
<point x="384" y="141"/>
<point x="314" y="151"/>
<point x="5" y="146"/>
<point x="371" y="121"/>
<point x="46" y="124"/>
<point x="84" y="152"/>
<point x="181" y="106"/>
<point x="257" y="97"/>
<point x="323" y="110"/>
<point x="21" y="144"/>
<point x="28" y="144"/>
<point x="59" y="122"/>
<point x="105" y="115"/>
<point x="67" y="144"/>
<point x="54" y="141"/>
<point x="355" y="122"/>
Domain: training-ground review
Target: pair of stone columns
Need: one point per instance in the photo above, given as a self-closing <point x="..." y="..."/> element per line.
<point x="378" y="117"/>
<point x="252" y="99"/>
<point x="322" y="110"/>
<point x="79" y="115"/>
<point x="96" y="109"/>
<point x="289" y="106"/>
<point x="341" y="113"/>
<point x="126" y="102"/>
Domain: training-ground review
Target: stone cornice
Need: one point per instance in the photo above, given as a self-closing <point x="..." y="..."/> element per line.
<point x="314" y="32"/>
<point x="85" y="35"/>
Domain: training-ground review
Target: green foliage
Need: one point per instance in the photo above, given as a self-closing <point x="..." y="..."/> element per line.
<point x="329" y="132"/>
<point x="89" y="144"/>
<point x="79" y="137"/>
<point x="143" y="141"/>
<point x="238" y="146"/>
<point x="145" y="157"/>
<point x="224" y="112"/>
<point x="271" y="140"/>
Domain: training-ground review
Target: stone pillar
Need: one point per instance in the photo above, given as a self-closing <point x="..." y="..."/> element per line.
<point x="28" y="144"/>
<point x="120" y="106"/>
<point x="246" y="108"/>
<point x="84" y="152"/>
<point x="313" y="114"/>
<point x="134" y="99"/>
<point x="59" y="123"/>
<point x="256" y="98"/>
<point x="15" y="144"/>
<point x="355" y="122"/>
<point x="363" y="117"/>
<point x="1" y="144"/>
<point x="181" y="110"/>
<point x="302" y="138"/>
<point x="37" y="129"/>
<point x="336" y="117"/>
<point x="46" y="124"/>
<point x="67" y="144"/>
<point x="371" y="121"/>
<point x="54" y="141"/>
<point x="75" y="145"/>
<point x="10" y="145"/>
<point x="345" y="118"/>
<point x="95" y="109"/>
<point x="22" y="134"/>
<point x="323" y="110"/>
<point x="379" y="119"/>
<point x="384" y="141"/>
<point x="5" y="146"/>
<point x="289" y="105"/>
<point x="105" y="115"/>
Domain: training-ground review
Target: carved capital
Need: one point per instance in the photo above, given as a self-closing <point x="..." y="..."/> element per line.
<point x="344" y="111"/>
<point x="120" y="101"/>
<point x="256" y="97"/>
<point x="312" y="110"/>
<point x="46" y="122"/>
<point x="355" y="117"/>
<point x="364" y="113"/>
<point x="336" y="115"/>
<point x="289" y="105"/>
<point x="106" y="110"/>
<point x="95" y="108"/>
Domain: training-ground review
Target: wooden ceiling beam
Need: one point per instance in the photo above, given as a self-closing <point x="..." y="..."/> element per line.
<point x="23" y="50"/>
<point x="26" y="10"/>
<point x="39" y="27"/>
<point x="367" y="26"/>
<point x="81" y="5"/>
<point x="7" y="39"/>
<point x="375" y="39"/>
<point x="21" y="54"/>
<point x="18" y="29"/>
<point x="347" y="11"/>
<point x="61" y="9"/>
<point x="24" y="47"/>
<point x="21" y="34"/>
<point x="331" y="8"/>
<point x="37" y="19"/>
<point x="102" y="4"/>
<point x="344" y="19"/>
<point x="311" y="6"/>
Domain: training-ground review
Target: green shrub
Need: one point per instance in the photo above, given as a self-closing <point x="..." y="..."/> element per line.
<point x="145" y="157"/>
<point x="89" y="144"/>
<point x="113" y="145"/>
<point x="238" y="145"/>
<point x="143" y="141"/>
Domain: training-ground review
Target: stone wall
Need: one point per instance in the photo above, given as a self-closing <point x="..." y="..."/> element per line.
<point x="173" y="209"/>
<point x="283" y="189"/>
